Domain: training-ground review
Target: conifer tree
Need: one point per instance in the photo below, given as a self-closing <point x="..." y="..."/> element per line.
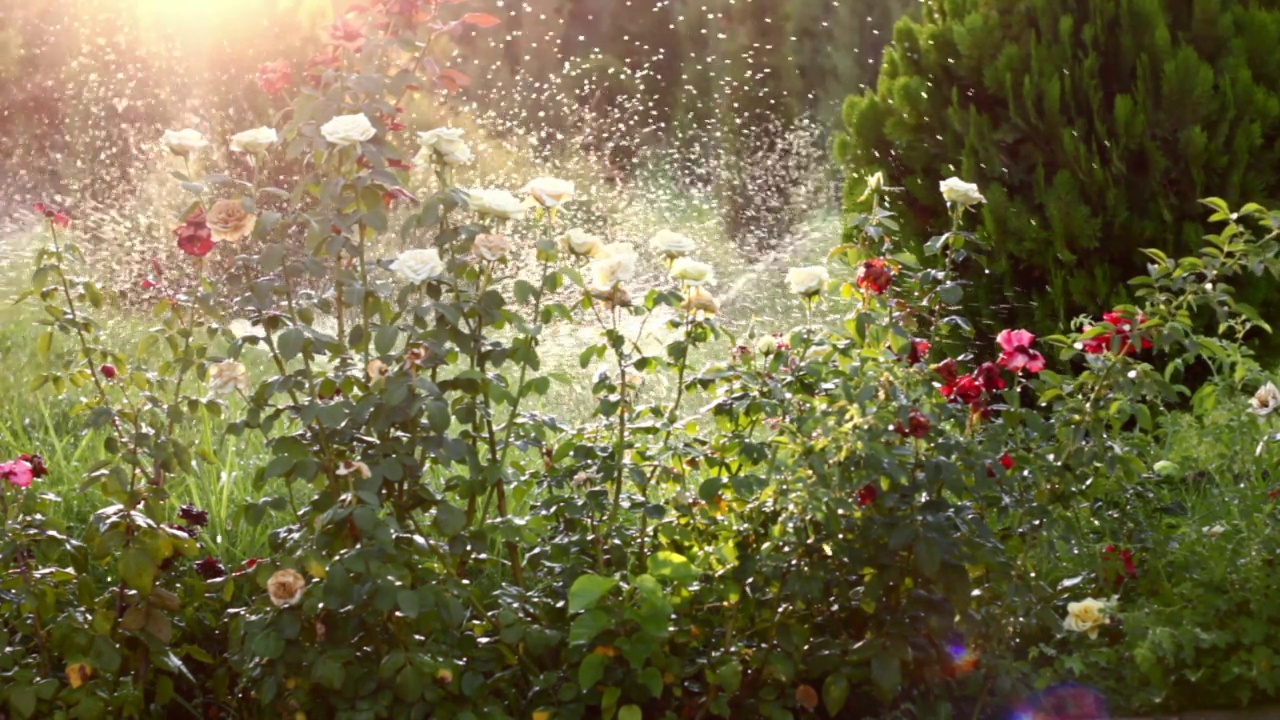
<point x="1093" y="127"/>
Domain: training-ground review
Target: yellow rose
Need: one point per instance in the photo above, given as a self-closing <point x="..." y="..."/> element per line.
<point x="1087" y="616"/>
<point x="692" y="273"/>
<point x="229" y="221"/>
<point x="286" y="587"/>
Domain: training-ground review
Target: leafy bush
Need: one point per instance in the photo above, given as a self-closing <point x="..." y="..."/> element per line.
<point x="841" y="529"/>
<point x="1094" y="126"/>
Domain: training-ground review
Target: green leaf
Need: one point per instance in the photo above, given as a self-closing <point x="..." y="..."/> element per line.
<point x="630" y="712"/>
<point x="138" y="569"/>
<point x="672" y="566"/>
<point x="450" y="520"/>
<point x="591" y="670"/>
<point x="289" y="344"/>
<point x="835" y="692"/>
<point x="588" y="625"/>
<point x="385" y="339"/>
<point x="886" y="673"/>
<point x="587" y="589"/>
<point x="44" y="344"/>
<point x="729" y="676"/>
<point x="408" y="602"/>
<point x="22" y="701"/>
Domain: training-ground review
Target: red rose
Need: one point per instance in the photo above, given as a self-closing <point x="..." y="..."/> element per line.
<point x="108" y="371"/>
<point x="875" y="276"/>
<point x="917" y="425"/>
<point x="1123" y="324"/>
<point x="868" y="494"/>
<point x="919" y="350"/>
<point x="275" y="77"/>
<point x="195" y="238"/>
<point x="989" y="375"/>
<point x="1112" y="557"/>
<point x="1018" y="354"/>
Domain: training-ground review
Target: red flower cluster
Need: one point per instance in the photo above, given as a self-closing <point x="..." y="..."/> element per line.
<point x="194" y="236"/>
<point x="275" y="77"/>
<point x="971" y="389"/>
<point x="57" y="217"/>
<point x="1123" y="323"/>
<point x="867" y="494"/>
<point x="917" y="425"/>
<point x="875" y="276"/>
<point x="1018" y="354"/>
<point x="1113" y="558"/>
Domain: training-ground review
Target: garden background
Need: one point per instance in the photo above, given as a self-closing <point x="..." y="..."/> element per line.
<point x="645" y="359"/>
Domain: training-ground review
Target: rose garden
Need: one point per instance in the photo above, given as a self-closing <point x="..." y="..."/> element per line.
<point x="368" y="431"/>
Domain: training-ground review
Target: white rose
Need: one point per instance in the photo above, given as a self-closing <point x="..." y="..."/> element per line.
<point x="458" y="157"/>
<point x="255" y="140"/>
<point x="581" y="242"/>
<point x="616" y="263"/>
<point x="419" y="265"/>
<point x="672" y="245"/>
<point x="1265" y="400"/>
<point x="447" y="145"/>
<point x="808" y="281"/>
<point x="958" y="192"/>
<point x="549" y="192"/>
<point x="183" y="142"/>
<point x="227" y="377"/>
<point x="693" y="273"/>
<point x="767" y="344"/>
<point x="491" y="247"/>
<point x="346" y="130"/>
<point x="495" y="203"/>
<point x="442" y="140"/>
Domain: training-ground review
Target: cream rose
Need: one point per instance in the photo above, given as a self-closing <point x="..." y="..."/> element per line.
<point x="582" y="243"/>
<point x="183" y="142"/>
<point x="1087" y="616"/>
<point x="228" y="376"/>
<point x="346" y="130"/>
<point x="692" y="273"/>
<point x="491" y="247"/>
<point x="447" y="145"/>
<point x="495" y="203"/>
<point x="672" y="245"/>
<point x="767" y="344"/>
<point x="255" y="140"/>
<point x="1265" y="400"/>
<point x="549" y="192"/>
<point x="808" y="281"/>
<point x="958" y="192"/>
<point x="419" y="265"/>
<point x="286" y="587"/>
<point x="229" y="221"/>
<point x="1215" y="530"/>
<point x="615" y="263"/>
<point x="700" y="299"/>
<point x="354" y="467"/>
<point x="377" y="370"/>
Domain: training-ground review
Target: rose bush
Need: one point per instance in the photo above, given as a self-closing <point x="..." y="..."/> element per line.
<point x="827" y="519"/>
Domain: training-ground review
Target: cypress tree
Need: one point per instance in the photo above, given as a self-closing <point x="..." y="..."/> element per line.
<point x="1093" y="127"/>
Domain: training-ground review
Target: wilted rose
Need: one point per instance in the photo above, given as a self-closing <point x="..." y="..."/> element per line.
<point x="491" y="247"/>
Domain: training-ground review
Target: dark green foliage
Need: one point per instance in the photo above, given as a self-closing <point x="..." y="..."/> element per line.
<point x="1091" y="126"/>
